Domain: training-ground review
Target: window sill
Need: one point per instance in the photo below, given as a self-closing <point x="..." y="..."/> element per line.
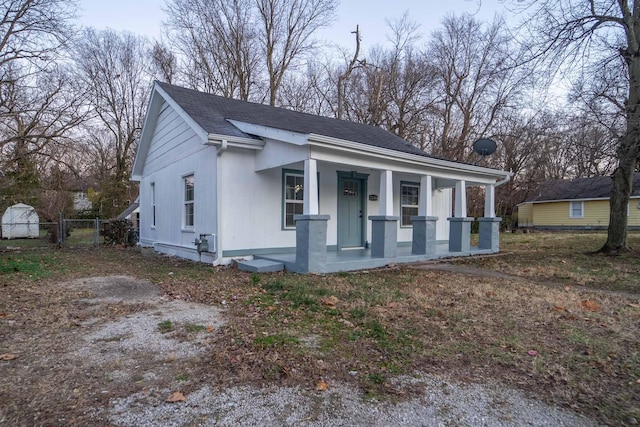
<point x="188" y="230"/>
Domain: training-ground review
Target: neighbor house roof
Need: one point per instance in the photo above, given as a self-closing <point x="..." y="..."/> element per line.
<point x="598" y="187"/>
<point x="212" y="112"/>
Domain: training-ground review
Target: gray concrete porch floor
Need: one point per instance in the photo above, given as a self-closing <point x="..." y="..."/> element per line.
<point x="360" y="259"/>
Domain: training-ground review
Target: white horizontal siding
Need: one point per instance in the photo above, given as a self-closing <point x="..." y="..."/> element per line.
<point x="175" y="151"/>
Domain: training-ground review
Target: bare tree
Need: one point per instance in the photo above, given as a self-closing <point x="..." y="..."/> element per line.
<point x="163" y="61"/>
<point x="34" y="101"/>
<point x="287" y="27"/>
<point x="476" y="78"/>
<point x="114" y="67"/>
<point x="586" y="35"/>
<point x="34" y="30"/>
<point x="218" y="41"/>
<point x="355" y="61"/>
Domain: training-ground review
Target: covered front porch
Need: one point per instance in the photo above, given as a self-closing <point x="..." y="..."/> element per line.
<point x="383" y="246"/>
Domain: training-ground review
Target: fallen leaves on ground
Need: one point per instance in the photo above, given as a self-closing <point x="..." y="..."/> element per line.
<point x="176" y="396"/>
<point x="322" y="385"/>
<point x="589" y="305"/>
<point x="8" y="356"/>
<point x="329" y="301"/>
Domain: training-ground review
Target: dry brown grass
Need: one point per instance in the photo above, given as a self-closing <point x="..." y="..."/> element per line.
<point x="581" y="318"/>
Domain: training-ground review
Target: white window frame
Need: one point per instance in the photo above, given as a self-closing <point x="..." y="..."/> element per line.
<point x="403" y="205"/>
<point x="188" y="205"/>
<point x="153" y="205"/>
<point x="571" y="214"/>
<point x="285" y="201"/>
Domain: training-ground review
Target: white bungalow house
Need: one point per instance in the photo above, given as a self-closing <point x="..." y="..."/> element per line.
<point x="223" y="179"/>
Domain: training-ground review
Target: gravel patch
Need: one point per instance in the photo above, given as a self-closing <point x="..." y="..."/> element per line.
<point x="443" y="403"/>
<point x="141" y="332"/>
<point x="126" y="345"/>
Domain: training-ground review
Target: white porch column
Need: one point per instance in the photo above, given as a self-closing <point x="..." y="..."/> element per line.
<point x="310" y="204"/>
<point x="386" y="193"/>
<point x="461" y="199"/>
<point x="425" y="206"/>
<point x="424" y="224"/>
<point x="490" y="201"/>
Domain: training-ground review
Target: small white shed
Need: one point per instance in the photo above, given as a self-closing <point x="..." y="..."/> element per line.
<point x="20" y="221"/>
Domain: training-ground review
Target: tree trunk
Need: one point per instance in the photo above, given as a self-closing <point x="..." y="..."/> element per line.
<point x="627" y="154"/>
<point x="622" y="180"/>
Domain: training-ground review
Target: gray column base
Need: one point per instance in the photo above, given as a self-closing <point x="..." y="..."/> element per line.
<point x="489" y="234"/>
<point x="384" y="236"/>
<point x="311" y="243"/>
<point x="459" y="234"/>
<point x="424" y="235"/>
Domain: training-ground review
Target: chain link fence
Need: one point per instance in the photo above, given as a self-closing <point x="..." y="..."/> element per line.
<point x="67" y="233"/>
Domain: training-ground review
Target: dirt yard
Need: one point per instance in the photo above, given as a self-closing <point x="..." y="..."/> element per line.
<point x="114" y="337"/>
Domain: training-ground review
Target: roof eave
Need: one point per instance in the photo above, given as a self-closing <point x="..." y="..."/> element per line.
<point x="315" y="139"/>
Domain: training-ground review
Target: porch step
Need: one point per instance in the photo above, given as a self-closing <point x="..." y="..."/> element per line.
<point x="260" y="266"/>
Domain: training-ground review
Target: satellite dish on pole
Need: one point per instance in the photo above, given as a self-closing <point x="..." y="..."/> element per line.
<point x="485" y="146"/>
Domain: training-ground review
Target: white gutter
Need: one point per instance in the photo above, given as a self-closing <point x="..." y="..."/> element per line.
<point x="505" y="180"/>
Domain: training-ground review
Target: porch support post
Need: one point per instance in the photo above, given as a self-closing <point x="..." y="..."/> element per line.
<point x="425" y="203"/>
<point x="311" y="243"/>
<point x="311" y="228"/>
<point x="489" y="230"/>
<point x="461" y="200"/>
<point x="384" y="227"/>
<point x="386" y="193"/>
<point x="459" y="224"/>
<point x="424" y="225"/>
<point x="310" y="203"/>
<point x="490" y="201"/>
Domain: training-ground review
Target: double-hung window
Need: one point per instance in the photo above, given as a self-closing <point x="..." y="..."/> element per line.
<point x="293" y="197"/>
<point x="576" y="209"/>
<point x="409" y="196"/>
<point x="188" y="182"/>
<point x="153" y="204"/>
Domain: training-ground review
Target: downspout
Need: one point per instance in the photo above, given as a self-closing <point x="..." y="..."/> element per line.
<point x="218" y="201"/>
<point x="504" y="181"/>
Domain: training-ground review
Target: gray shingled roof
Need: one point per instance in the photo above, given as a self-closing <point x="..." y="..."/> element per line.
<point x="211" y="113"/>
<point x="598" y="187"/>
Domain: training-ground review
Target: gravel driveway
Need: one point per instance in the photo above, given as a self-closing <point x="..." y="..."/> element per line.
<point x="135" y="348"/>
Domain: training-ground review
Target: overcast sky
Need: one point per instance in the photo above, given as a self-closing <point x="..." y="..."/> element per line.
<point x="145" y="16"/>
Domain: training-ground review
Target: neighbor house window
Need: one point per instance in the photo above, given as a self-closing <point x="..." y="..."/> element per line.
<point x="576" y="209"/>
<point x="293" y="197"/>
<point x="188" y="201"/>
<point x="409" y="194"/>
<point x="153" y="204"/>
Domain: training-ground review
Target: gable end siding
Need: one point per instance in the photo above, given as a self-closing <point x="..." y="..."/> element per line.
<point x="173" y="139"/>
<point x="176" y="150"/>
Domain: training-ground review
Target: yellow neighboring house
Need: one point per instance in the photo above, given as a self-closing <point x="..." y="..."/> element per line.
<point x="581" y="203"/>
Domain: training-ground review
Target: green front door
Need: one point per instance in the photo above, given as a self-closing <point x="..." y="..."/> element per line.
<point x="351" y="215"/>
